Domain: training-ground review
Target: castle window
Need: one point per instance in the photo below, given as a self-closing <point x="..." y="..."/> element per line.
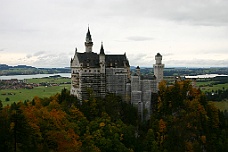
<point x="85" y="70"/>
<point x="89" y="70"/>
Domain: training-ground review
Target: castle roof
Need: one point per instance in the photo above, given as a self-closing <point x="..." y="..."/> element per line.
<point x="92" y="59"/>
<point x="102" y="49"/>
<point x="116" y="61"/>
<point x="158" y="55"/>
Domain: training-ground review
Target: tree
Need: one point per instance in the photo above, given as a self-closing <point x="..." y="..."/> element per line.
<point x="1" y="105"/>
<point x="7" y="99"/>
<point x="150" y="143"/>
<point x="5" y="140"/>
<point x="19" y="129"/>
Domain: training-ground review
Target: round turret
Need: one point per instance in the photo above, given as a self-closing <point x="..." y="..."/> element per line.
<point x="158" y="68"/>
<point x="138" y="70"/>
<point x="158" y="58"/>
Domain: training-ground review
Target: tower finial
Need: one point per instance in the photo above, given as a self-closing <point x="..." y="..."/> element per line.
<point x="88" y="36"/>
<point x="102" y="48"/>
<point x="75" y="53"/>
<point x="88" y="29"/>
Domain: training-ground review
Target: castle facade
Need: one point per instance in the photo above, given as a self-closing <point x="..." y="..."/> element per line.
<point x="107" y="73"/>
<point x="101" y="72"/>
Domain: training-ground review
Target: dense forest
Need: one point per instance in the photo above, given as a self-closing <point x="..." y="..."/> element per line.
<point x="182" y="120"/>
<point x="217" y="95"/>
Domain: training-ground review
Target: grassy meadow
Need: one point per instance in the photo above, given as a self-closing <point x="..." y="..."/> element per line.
<point x="48" y="80"/>
<point x="15" y="95"/>
<point x="207" y="86"/>
<point x="223" y="105"/>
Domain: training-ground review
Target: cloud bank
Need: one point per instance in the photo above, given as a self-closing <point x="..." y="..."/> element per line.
<point x="45" y="32"/>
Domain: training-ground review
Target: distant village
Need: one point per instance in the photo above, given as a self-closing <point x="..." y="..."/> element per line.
<point x="22" y="84"/>
<point x="16" y="84"/>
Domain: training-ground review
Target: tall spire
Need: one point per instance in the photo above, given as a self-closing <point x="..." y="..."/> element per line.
<point x="88" y="36"/>
<point x="102" y="48"/>
<point x="88" y="42"/>
<point x="75" y="52"/>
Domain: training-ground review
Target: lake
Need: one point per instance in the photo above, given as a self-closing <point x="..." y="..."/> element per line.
<point x="22" y="77"/>
<point x="68" y="75"/>
<point x="204" y="76"/>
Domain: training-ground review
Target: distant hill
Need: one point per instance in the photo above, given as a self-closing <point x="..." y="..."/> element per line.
<point x="170" y="71"/>
<point x="182" y="71"/>
<point x="25" y="70"/>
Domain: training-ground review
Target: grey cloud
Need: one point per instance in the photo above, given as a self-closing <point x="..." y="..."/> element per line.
<point x="2" y="49"/>
<point x="53" y="60"/>
<point x="197" y="63"/>
<point x="44" y="25"/>
<point x="167" y="54"/>
<point x="207" y="13"/>
<point x="140" y="59"/>
<point x="39" y="53"/>
<point x="195" y="12"/>
<point x="28" y="56"/>
<point x="215" y="51"/>
<point x="148" y="60"/>
<point x="139" y="38"/>
<point x="137" y="56"/>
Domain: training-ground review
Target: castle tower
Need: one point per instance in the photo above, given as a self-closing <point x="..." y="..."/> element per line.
<point x="138" y="70"/>
<point x="102" y="59"/>
<point x="158" y="68"/>
<point x="88" y="42"/>
<point x="102" y="71"/>
<point x="75" y="76"/>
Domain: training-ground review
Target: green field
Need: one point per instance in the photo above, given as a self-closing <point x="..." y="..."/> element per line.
<point x="48" y="80"/>
<point x="28" y="94"/>
<point x="203" y="83"/>
<point x="214" y="87"/>
<point x="207" y="86"/>
<point x="223" y="105"/>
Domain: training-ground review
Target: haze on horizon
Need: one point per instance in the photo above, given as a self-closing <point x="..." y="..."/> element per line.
<point x="45" y="33"/>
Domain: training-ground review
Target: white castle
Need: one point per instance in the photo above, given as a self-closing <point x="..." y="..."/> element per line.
<point x="106" y="73"/>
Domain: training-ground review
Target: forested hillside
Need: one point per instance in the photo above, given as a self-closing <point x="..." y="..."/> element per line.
<point x="27" y="70"/>
<point x="182" y="120"/>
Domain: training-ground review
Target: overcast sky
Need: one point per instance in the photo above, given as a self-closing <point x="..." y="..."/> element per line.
<point x="45" y="33"/>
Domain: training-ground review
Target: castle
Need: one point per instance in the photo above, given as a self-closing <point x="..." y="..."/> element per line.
<point x="107" y="73"/>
